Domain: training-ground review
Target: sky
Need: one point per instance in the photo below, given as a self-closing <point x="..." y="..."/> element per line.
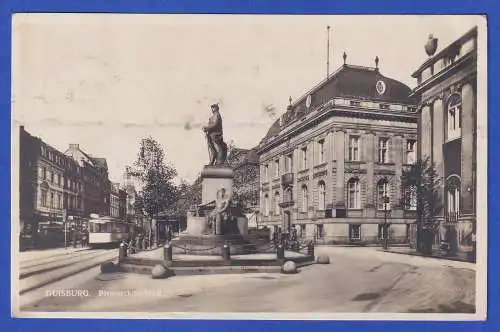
<point x="105" y="81"/>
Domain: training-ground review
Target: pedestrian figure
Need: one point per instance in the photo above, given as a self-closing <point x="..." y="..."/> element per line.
<point x="169" y="235"/>
<point x="74" y="236"/>
<point x="138" y="241"/>
<point x="85" y="238"/>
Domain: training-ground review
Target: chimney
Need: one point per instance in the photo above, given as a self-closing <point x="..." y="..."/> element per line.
<point x="74" y="146"/>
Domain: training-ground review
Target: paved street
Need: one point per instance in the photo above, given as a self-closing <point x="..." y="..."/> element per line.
<point x="43" y="267"/>
<point x="358" y="280"/>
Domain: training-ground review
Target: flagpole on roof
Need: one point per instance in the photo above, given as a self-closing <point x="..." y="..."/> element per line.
<point x="327" y="52"/>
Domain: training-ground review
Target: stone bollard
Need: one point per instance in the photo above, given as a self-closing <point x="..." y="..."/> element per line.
<point x="122" y="252"/>
<point x="226" y="255"/>
<point x="108" y="267"/>
<point x="160" y="272"/>
<point x="323" y="259"/>
<point x="167" y="252"/>
<point x="310" y="250"/>
<point x="280" y="252"/>
<point x="289" y="267"/>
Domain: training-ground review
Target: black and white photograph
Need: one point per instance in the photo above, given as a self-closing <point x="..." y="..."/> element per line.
<point x="249" y="166"/>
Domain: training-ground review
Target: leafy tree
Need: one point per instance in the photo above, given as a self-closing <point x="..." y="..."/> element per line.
<point x="245" y="182"/>
<point x="188" y="195"/>
<point x="422" y="181"/>
<point x="157" y="192"/>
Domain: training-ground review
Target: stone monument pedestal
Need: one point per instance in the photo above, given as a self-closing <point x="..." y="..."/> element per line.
<point x="200" y="237"/>
<point x="214" y="178"/>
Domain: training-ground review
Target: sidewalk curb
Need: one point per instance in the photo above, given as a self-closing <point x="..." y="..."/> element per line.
<point x="454" y="259"/>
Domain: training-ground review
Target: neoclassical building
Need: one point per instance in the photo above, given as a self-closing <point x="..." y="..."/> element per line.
<point x="331" y="165"/>
<point x="446" y="92"/>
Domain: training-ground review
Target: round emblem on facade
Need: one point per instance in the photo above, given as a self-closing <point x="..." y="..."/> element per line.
<point x="380" y="86"/>
<point x="308" y="101"/>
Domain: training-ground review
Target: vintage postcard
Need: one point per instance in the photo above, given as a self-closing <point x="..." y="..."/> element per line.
<point x="249" y="166"/>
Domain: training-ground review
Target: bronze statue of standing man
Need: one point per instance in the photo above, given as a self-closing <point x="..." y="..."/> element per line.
<point x="217" y="148"/>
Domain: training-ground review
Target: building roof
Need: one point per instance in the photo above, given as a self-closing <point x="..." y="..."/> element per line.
<point x="100" y="162"/>
<point x="348" y="81"/>
<point x="252" y="156"/>
<point x="451" y="48"/>
<point x="79" y="155"/>
<point x="249" y="156"/>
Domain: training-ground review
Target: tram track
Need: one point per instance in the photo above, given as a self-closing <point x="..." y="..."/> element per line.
<point x="48" y="265"/>
<point x="34" y="276"/>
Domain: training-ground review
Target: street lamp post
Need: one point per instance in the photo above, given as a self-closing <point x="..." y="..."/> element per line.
<point x="386" y="230"/>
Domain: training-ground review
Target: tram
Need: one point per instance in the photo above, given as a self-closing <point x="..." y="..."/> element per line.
<point x="107" y="231"/>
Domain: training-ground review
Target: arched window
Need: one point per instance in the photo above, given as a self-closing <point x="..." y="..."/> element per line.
<point x="453" y="198"/>
<point x="321" y="196"/>
<point x="383" y="195"/>
<point x="288" y="195"/>
<point x="353" y="197"/>
<point x="266" y="205"/>
<point x="454" y="116"/>
<point x="277" y="201"/>
<point x="305" y="198"/>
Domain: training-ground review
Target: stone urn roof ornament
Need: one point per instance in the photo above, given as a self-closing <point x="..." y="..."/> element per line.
<point x="431" y="45"/>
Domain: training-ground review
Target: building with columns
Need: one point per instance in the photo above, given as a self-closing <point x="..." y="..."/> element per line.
<point x="330" y="166"/>
<point x="447" y="92"/>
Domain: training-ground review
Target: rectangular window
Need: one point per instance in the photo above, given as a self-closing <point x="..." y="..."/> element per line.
<point x="321" y="151"/>
<point x="59" y="201"/>
<point x="304" y="158"/>
<point x="58" y="179"/>
<point x="354" y="148"/>
<point x="289" y="163"/>
<point x="383" y="231"/>
<point x="411" y="151"/>
<point x="382" y="150"/>
<point x="266" y="172"/>
<point x="44" y="173"/>
<point x="276" y="168"/>
<point x="320" y="231"/>
<point x="52" y="202"/>
<point x="355" y="232"/>
<point x="353" y="194"/>
<point x="43" y="196"/>
<point x="383" y="196"/>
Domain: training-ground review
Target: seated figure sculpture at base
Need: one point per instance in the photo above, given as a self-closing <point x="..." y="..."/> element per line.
<point x="221" y="214"/>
